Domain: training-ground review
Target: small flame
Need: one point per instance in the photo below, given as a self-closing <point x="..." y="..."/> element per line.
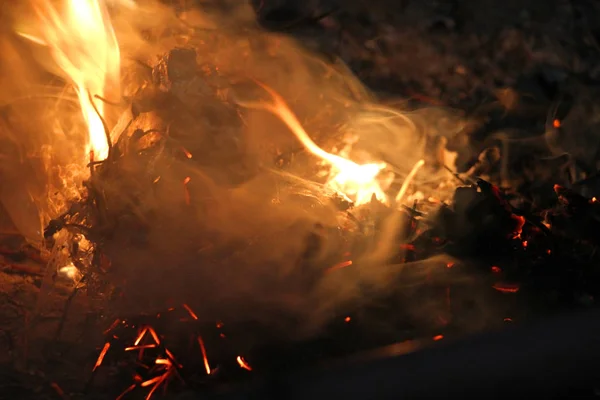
<point x="356" y="181"/>
<point x="70" y="271"/>
<point x="84" y="46"/>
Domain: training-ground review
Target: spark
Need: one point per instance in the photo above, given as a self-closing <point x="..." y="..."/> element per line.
<point x="506" y="288"/>
<point x="154" y="335"/>
<point x="101" y="356"/>
<point x="158" y="381"/>
<point x="151" y="381"/>
<point x="172" y="357"/>
<point x="243" y="364"/>
<point x="129" y="389"/>
<point x="187" y="196"/>
<point x="347" y="319"/>
<point x="58" y="389"/>
<point x="112" y="326"/>
<point x="190" y="311"/>
<point x="203" y="349"/>
<point x="438" y="337"/>
<point x="340" y="265"/>
<point x="186" y="152"/>
<point x="145" y="346"/>
<point x="140" y="336"/>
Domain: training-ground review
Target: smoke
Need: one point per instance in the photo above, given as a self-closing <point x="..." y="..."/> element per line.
<point x="199" y="211"/>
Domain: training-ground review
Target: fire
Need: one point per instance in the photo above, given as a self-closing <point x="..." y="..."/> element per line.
<point x="83" y="45"/>
<point x="356" y="181"/>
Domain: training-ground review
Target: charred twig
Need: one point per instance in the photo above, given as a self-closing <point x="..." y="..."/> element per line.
<point x="67" y="306"/>
<point x="104" y="125"/>
<point x="85" y="230"/>
<point x="22" y="269"/>
<point x="112" y="103"/>
<point x="455" y="175"/>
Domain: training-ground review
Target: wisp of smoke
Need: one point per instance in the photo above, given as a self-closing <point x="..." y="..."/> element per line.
<point x="207" y="221"/>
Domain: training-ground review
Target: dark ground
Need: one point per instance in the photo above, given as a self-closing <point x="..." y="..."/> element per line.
<point x="502" y="65"/>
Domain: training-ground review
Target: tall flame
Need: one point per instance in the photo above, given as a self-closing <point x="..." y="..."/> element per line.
<point x="84" y="46"/>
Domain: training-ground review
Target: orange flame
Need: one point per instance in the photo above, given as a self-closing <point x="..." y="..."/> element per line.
<point x="356" y="181"/>
<point x="83" y="45"/>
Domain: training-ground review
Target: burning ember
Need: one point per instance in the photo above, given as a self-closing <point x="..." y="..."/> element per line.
<point x="240" y="206"/>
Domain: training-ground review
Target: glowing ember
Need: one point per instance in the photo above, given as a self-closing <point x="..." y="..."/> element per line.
<point x="356" y="181"/>
<point x="83" y="45"/>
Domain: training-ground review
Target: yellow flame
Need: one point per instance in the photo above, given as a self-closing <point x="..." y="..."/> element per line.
<point x="70" y="271"/>
<point x="84" y="46"/>
<point x="356" y="181"/>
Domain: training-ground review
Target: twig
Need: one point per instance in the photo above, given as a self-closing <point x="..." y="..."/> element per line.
<point x="63" y="318"/>
<point x="22" y="269"/>
<point x="112" y="103"/>
<point x="104" y="125"/>
<point x="455" y="175"/>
